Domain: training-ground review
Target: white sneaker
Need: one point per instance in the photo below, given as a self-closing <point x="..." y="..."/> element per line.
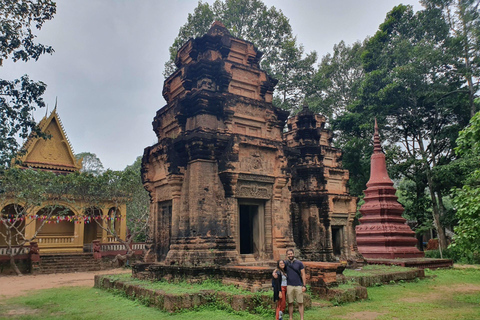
<point x="280" y="315"/>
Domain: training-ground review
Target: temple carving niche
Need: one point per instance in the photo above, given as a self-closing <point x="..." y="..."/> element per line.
<point x="227" y="185"/>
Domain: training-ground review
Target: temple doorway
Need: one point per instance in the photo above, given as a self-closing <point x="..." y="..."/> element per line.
<point x="92" y="230"/>
<point x="251" y="227"/>
<point x="164" y="227"/>
<point x="337" y="239"/>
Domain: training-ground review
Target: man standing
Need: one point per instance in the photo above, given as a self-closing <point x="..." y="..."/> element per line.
<point x="295" y="282"/>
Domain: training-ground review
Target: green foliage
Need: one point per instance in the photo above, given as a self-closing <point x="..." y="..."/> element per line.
<point x="463" y="20"/>
<point x="138" y="208"/>
<point x="90" y="163"/>
<point x="334" y="87"/>
<point x="455" y="254"/>
<point x="467" y="199"/>
<point x="417" y="203"/>
<point x="19" y="97"/>
<point x="419" y="102"/>
<point x="115" y="188"/>
<point x="336" y="84"/>
<point x="294" y="72"/>
<point x="268" y="29"/>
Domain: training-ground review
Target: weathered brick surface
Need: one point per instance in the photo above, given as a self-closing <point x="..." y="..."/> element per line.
<point x="347" y="295"/>
<point x="175" y="302"/>
<point x="322" y="209"/>
<point x="420" y="263"/>
<point x="375" y="279"/>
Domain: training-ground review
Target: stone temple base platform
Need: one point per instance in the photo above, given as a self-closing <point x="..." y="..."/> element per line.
<point x="173" y="302"/>
<point x="320" y="275"/>
<point x="421" y="263"/>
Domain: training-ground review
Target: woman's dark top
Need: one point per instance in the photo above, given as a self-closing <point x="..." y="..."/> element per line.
<point x="277" y="285"/>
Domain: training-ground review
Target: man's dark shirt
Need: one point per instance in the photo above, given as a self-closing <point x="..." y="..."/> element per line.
<point x="293" y="277"/>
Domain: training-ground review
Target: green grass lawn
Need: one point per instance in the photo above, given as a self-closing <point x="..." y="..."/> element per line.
<point x="445" y="294"/>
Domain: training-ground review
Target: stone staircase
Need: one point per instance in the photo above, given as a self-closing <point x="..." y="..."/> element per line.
<point x="68" y="262"/>
<point x="250" y="260"/>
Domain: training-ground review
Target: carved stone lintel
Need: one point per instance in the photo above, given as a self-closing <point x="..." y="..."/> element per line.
<point x="253" y="190"/>
<point x="256" y="178"/>
<point x="338" y="222"/>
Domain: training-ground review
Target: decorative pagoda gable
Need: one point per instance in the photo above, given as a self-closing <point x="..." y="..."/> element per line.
<point x="54" y="153"/>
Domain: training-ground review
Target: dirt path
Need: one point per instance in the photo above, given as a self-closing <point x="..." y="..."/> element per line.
<point x="12" y="286"/>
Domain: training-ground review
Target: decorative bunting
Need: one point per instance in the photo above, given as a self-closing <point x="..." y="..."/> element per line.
<point x="57" y="219"/>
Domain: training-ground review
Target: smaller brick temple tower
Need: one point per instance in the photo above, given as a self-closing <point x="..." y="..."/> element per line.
<point x="322" y="210"/>
<point x="382" y="232"/>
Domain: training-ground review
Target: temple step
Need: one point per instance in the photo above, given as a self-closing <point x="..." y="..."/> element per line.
<point x="64" y="263"/>
<point x="250" y="260"/>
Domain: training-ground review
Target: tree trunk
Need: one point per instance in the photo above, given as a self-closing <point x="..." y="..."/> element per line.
<point x="468" y="73"/>
<point x="442" y="240"/>
<point x="119" y="258"/>
<point x="13" y="264"/>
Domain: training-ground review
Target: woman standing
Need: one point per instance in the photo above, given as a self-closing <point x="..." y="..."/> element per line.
<point x="280" y="289"/>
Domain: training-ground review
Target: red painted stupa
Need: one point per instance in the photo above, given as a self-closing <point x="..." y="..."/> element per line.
<point x="382" y="232"/>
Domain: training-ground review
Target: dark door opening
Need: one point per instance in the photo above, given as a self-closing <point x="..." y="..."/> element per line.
<point x="164" y="228"/>
<point x="248" y="213"/>
<point x="337" y="241"/>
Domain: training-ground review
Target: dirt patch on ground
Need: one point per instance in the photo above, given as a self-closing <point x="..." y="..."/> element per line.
<point x="466" y="288"/>
<point x="20" y="312"/>
<point x="466" y="266"/>
<point x="443" y="292"/>
<point x="363" y="315"/>
<point x="13" y="286"/>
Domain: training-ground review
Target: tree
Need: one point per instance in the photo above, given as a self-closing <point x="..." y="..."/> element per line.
<point x="19" y="97"/>
<point x="294" y="72"/>
<point x="463" y="19"/>
<point x="116" y="188"/>
<point x="409" y="85"/>
<point x="467" y="198"/>
<point x="336" y="83"/>
<point x="268" y="29"/>
<point x="334" y="87"/>
<point x="138" y="208"/>
<point x="90" y="163"/>
<point x="22" y="193"/>
<point x="125" y="187"/>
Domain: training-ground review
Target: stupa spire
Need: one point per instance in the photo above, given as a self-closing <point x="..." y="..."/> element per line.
<point x="377" y="147"/>
<point x="382" y="232"/>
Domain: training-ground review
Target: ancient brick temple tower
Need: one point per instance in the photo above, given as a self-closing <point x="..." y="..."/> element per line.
<point x="220" y="175"/>
<point x="322" y="210"/>
<point x="382" y="232"/>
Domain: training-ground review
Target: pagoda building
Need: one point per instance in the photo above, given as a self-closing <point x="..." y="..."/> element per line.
<point x="71" y="232"/>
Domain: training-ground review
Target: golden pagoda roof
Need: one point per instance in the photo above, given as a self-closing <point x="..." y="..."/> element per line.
<point x="54" y="153"/>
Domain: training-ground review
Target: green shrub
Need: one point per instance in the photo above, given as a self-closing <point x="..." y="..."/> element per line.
<point x="455" y="255"/>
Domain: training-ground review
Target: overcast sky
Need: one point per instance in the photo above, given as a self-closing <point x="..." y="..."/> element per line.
<point x="109" y="56"/>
